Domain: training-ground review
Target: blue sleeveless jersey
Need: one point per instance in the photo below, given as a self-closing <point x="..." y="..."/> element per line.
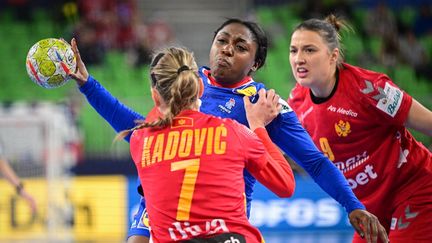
<point x="285" y="131"/>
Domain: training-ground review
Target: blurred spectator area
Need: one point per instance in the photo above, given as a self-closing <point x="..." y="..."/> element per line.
<point x="116" y="39"/>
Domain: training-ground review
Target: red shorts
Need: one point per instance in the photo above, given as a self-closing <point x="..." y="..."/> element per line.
<point x="410" y="221"/>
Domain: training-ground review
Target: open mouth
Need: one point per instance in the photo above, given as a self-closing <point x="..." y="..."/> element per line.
<point x="301" y="72"/>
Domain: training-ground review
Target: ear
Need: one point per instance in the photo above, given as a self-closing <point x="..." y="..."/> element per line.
<point x="335" y="55"/>
<point x="255" y="67"/>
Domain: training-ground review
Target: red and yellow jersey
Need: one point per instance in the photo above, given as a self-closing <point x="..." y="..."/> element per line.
<point x="192" y="176"/>
<point x="361" y="129"/>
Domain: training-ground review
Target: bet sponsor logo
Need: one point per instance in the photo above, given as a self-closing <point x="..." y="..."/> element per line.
<point x="363" y="178"/>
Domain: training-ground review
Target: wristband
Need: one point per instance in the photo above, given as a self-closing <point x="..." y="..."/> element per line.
<point x="19" y="188"/>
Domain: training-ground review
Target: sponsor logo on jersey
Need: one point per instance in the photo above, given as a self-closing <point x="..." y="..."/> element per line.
<point x="370" y="89"/>
<point x="248" y="90"/>
<point x="145" y="219"/>
<point x="393" y="223"/>
<point x="220" y="238"/>
<point x="285" y="107"/>
<point x="184" y="229"/>
<point x="403" y="221"/>
<point x="228" y="105"/>
<point x="342" y="111"/>
<point x="392" y="101"/>
<point x="342" y="128"/>
<point x="142" y="222"/>
<point x="363" y="177"/>
<point x="403" y="154"/>
<point x="352" y="163"/>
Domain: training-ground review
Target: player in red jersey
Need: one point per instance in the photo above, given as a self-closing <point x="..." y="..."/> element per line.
<point x="359" y="119"/>
<point x="191" y="164"/>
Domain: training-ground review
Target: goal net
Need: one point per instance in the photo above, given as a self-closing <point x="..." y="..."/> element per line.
<point x="38" y="141"/>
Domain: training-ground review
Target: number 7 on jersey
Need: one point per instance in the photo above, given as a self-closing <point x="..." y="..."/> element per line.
<point x="191" y="167"/>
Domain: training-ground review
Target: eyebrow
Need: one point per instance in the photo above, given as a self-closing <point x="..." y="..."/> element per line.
<point x="240" y="39"/>
<point x="305" y="46"/>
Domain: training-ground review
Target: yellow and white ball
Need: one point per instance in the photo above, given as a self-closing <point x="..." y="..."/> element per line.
<point x="49" y="62"/>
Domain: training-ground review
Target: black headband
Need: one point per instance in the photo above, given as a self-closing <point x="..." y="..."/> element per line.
<point x="155" y="61"/>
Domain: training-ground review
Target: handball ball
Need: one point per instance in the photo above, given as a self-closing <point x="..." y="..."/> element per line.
<point x="49" y="62"/>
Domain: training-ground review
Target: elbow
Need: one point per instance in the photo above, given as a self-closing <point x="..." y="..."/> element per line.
<point x="287" y="191"/>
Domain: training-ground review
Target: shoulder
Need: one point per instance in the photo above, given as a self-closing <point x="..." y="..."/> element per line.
<point x="239" y="129"/>
<point x="204" y="73"/>
<point x="203" y="70"/>
<point x="249" y="89"/>
<point x="297" y="95"/>
<point x="362" y="78"/>
<point x="375" y="89"/>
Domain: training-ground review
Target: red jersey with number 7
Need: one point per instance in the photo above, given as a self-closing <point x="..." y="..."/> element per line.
<point x="192" y="176"/>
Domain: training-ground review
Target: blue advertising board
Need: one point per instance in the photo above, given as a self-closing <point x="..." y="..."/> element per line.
<point x="310" y="209"/>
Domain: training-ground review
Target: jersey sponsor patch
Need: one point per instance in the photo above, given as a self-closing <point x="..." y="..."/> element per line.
<point x="392" y="101"/>
<point x="141" y="219"/>
<point x="223" y="238"/>
<point x="285" y="107"/>
<point x="247" y="90"/>
<point x="393" y="223"/>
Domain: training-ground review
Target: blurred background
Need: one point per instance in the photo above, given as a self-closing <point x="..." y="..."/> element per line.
<point x="84" y="185"/>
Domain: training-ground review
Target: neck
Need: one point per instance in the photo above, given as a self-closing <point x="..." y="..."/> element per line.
<point x="324" y="89"/>
<point x="194" y="106"/>
<point x="214" y="82"/>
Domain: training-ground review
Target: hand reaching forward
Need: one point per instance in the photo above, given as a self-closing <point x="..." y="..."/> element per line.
<point x="264" y="110"/>
<point x="368" y="226"/>
<point x="81" y="74"/>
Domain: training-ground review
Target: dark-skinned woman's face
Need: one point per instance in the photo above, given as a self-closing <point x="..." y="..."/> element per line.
<point x="232" y="54"/>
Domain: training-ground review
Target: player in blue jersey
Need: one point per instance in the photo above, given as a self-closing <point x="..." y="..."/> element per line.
<point x="239" y="48"/>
